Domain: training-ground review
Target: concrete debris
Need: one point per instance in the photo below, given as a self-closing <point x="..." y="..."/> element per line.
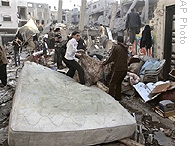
<point x="162" y="139"/>
<point x="98" y="49"/>
<point x="3" y="135"/>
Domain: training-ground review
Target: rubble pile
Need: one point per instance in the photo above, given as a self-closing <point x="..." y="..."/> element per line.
<point x="152" y="128"/>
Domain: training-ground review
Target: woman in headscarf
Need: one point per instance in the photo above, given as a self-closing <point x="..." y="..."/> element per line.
<point x="146" y="40"/>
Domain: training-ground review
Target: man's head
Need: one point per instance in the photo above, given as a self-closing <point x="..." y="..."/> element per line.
<point x="120" y="39"/>
<point x="133" y="10"/>
<point x="76" y="35"/>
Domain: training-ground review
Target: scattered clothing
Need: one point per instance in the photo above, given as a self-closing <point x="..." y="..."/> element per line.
<point x="151" y="63"/>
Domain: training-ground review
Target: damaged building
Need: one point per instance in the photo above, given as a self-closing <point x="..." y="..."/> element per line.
<point x="40" y="12"/>
<point x="163" y="24"/>
<point x="70" y="16"/>
<point x="9" y="20"/>
<point x="159" y="14"/>
<point x="99" y="12"/>
<point x="57" y="115"/>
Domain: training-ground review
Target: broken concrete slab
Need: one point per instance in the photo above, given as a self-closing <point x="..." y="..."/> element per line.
<point x="162" y="139"/>
<point x="49" y="108"/>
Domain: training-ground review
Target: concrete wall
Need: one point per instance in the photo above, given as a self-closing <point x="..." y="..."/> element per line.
<point x="8" y="28"/>
<point x="97" y="9"/>
<point x="158" y="24"/>
<point x="9" y="11"/>
<point x="39" y="11"/>
<point x="54" y="15"/>
<point x="22" y="12"/>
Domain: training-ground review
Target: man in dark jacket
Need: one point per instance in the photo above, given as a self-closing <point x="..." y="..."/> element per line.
<point x="17" y="50"/>
<point x="59" y="51"/>
<point x="133" y="24"/>
<point x="119" y="57"/>
<point x="3" y="69"/>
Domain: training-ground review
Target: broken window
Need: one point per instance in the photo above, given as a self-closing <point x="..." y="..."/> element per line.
<point x="6" y="18"/>
<point x="30" y="5"/>
<point x="40" y="6"/>
<point x="22" y="13"/>
<point x="5" y="3"/>
<point x="94" y="7"/>
<point x="38" y="21"/>
<point x="40" y="15"/>
<point x="63" y="17"/>
<point x="42" y="22"/>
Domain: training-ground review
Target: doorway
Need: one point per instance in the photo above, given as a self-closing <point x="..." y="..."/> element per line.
<point x="169" y="42"/>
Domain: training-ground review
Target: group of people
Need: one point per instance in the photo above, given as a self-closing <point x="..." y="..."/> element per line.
<point x="133" y="25"/>
<point x="118" y="56"/>
<point x="74" y="46"/>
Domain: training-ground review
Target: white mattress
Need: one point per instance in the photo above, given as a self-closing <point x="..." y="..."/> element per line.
<point x="51" y="109"/>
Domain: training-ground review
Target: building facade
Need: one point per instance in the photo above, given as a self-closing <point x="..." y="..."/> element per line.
<point x="163" y="24"/>
<point x="40" y="12"/>
<point x="98" y="12"/>
<point x="13" y="14"/>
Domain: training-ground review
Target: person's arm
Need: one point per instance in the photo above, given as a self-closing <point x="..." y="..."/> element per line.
<point x="111" y="58"/>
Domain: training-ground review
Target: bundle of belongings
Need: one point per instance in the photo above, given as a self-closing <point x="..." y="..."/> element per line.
<point x="94" y="71"/>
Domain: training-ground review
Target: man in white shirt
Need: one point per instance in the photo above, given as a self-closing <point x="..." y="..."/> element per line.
<point x="69" y="57"/>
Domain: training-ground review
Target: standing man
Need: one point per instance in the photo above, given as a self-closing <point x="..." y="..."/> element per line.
<point x="58" y="51"/>
<point x="3" y="67"/>
<point x="133" y="24"/>
<point x="119" y="57"/>
<point x="51" y="39"/>
<point x="69" y="58"/>
<point x="17" y="50"/>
